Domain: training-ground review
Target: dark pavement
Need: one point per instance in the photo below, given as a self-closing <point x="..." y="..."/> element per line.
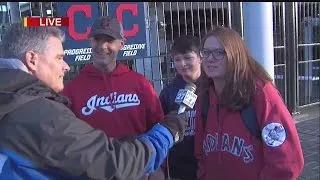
<point x="310" y="140"/>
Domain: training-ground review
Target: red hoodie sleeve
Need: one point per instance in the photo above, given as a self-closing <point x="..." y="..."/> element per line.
<point x="198" y="141"/>
<point x="282" y="153"/>
<point x="151" y="101"/>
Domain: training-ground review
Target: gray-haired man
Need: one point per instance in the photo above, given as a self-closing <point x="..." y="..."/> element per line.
<point x="40" y="138"/>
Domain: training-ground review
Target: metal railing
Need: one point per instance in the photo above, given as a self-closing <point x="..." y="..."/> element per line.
<point x="308" y="53"/>
<point x="296" y="40"/>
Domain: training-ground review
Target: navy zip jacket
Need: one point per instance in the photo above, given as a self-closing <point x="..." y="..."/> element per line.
<point x="182" y="162"/>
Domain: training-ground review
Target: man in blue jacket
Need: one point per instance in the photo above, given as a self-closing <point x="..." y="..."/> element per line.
<point x="186" y="57"/>
<point x="40" y="138"/>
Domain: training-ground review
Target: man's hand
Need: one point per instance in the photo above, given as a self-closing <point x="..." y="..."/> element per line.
<point x="176" y="123"/>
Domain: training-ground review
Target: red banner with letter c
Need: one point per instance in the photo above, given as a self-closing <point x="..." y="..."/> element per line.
<point x="81" y="17"/>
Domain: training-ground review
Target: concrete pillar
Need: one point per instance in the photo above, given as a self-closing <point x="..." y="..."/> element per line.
<point x="14" y="10"/>
<point x="258" y="32"/>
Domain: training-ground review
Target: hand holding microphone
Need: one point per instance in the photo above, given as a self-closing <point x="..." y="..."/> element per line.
<point x="186" y="97"/>
<point x="176" y="123"/>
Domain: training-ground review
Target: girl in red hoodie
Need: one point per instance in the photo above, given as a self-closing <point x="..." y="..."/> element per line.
<point x="224" y="147"/>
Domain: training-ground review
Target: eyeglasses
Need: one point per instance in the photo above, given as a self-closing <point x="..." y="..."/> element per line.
<point x="217" y="54"/>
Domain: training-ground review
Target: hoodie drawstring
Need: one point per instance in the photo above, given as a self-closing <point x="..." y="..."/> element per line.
<point x="111" y="95"/>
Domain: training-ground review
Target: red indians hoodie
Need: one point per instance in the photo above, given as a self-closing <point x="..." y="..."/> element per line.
<point x="122" y="103"/>
<point x="226" y="150"/>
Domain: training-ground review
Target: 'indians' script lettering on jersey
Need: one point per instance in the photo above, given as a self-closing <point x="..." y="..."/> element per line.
<point x="236" y="146"/>
<point x="118" y="101"/>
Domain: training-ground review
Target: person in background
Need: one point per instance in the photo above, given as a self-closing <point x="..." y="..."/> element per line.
<point x="108" y="95"/>
<point x="226" y="146"/>
<point x="40" y="138"/>
<point x="185" y="51"/>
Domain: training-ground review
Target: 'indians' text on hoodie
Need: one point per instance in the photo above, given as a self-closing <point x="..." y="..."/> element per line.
<point x="121" y="103"/>
<point x="226" y="150"/>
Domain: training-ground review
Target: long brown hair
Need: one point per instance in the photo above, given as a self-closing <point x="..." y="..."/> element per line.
<point x="242" y="70"/>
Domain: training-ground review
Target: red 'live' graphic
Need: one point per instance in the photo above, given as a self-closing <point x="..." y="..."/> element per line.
<point x="45" y="21"/>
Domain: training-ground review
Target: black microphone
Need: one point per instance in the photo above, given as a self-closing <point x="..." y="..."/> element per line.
<point x="186" y="97"/>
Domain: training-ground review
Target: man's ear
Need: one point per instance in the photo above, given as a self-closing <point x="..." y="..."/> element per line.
<point x="31" y="60"/>
<point x="123" y="42"/>
<point x="90" y="41"/>
<point x="201" y="60"/>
